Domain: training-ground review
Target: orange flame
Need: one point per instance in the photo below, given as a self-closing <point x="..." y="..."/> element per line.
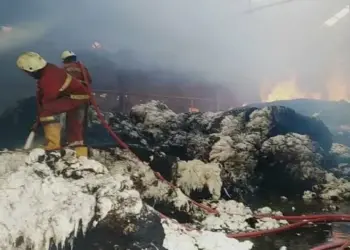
<point x="286" y="90"/>
<point x="336" y="89"/>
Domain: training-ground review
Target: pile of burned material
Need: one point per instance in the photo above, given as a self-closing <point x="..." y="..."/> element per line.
<point x="231" y="154"/>
<point x="58" y="201"/>
<point x="218" y="159"/>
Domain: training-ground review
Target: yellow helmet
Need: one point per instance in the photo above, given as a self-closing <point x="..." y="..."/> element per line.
<point x="31" y="62"/>
<point x="67" y="53"/>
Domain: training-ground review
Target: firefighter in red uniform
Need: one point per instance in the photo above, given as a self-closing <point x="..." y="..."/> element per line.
<point x="75" y="68"/>
<point x="57" y="93"/>
<point x="80" y="72"/>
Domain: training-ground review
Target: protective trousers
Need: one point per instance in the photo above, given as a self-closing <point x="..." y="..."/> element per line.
<point x="75" y="130"/>
<point x="52" y="131"/>
<point x="50" y="119"/>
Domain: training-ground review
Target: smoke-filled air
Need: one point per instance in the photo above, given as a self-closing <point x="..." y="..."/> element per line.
<point x="263" y="50"/>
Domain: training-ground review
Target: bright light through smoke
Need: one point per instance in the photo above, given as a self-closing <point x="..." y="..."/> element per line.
<point x="334" y="19"/>
<point x="213" y="41"/>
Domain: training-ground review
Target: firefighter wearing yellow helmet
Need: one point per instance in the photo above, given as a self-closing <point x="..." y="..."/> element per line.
<point x="31" y="62"/>
<point x="57" y="93"/>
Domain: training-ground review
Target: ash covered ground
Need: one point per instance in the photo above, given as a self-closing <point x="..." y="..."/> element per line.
<point x="226" y="160"/>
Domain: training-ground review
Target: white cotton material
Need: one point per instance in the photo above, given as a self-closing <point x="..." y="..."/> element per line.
<point x="195" y="175"/>
<point x="224" y="148"/>
<point x="231" y="126"/>
<point x="34" y="155"/>
<point x="38" y="205"/>
<point x="153" y="187"/>
<point x="309" y="195"/>
<point x="340" y="150"/>
<point x="177" y="237"/>
<point x="264" y="210"/>
<point x="89" y="164"/>
<point x="305" y="163"/>
<point x="335" y="188"/>
<point x="10" y="162"/>
<point x="154" y="113"/>
<point x="221" y="151"/>
<point x="260" y="121"/>
<point x="208" y="118"/>
<point x="236" y="147"/>
<point x="181" y="201"/>
<point x="233" y="217"/>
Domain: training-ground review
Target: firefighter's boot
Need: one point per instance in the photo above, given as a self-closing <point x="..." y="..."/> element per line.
<point x="81" y="151"/>
<point x="52" y="133"/>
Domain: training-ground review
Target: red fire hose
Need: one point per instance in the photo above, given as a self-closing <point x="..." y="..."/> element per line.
<point x="320" y="218"/>
<point x="332" y="245"/>
<point x="305" y="217"/>
<point x="299" y="221"/>
<point x="337" y="244"/>
<point x="345" y="245"/>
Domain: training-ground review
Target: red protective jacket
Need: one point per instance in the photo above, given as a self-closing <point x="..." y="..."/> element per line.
<point x="75" y="69"/>
<point x="58" y="92"/>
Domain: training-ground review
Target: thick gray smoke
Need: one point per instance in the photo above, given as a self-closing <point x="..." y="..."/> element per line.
<point x="240" y="43"/>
